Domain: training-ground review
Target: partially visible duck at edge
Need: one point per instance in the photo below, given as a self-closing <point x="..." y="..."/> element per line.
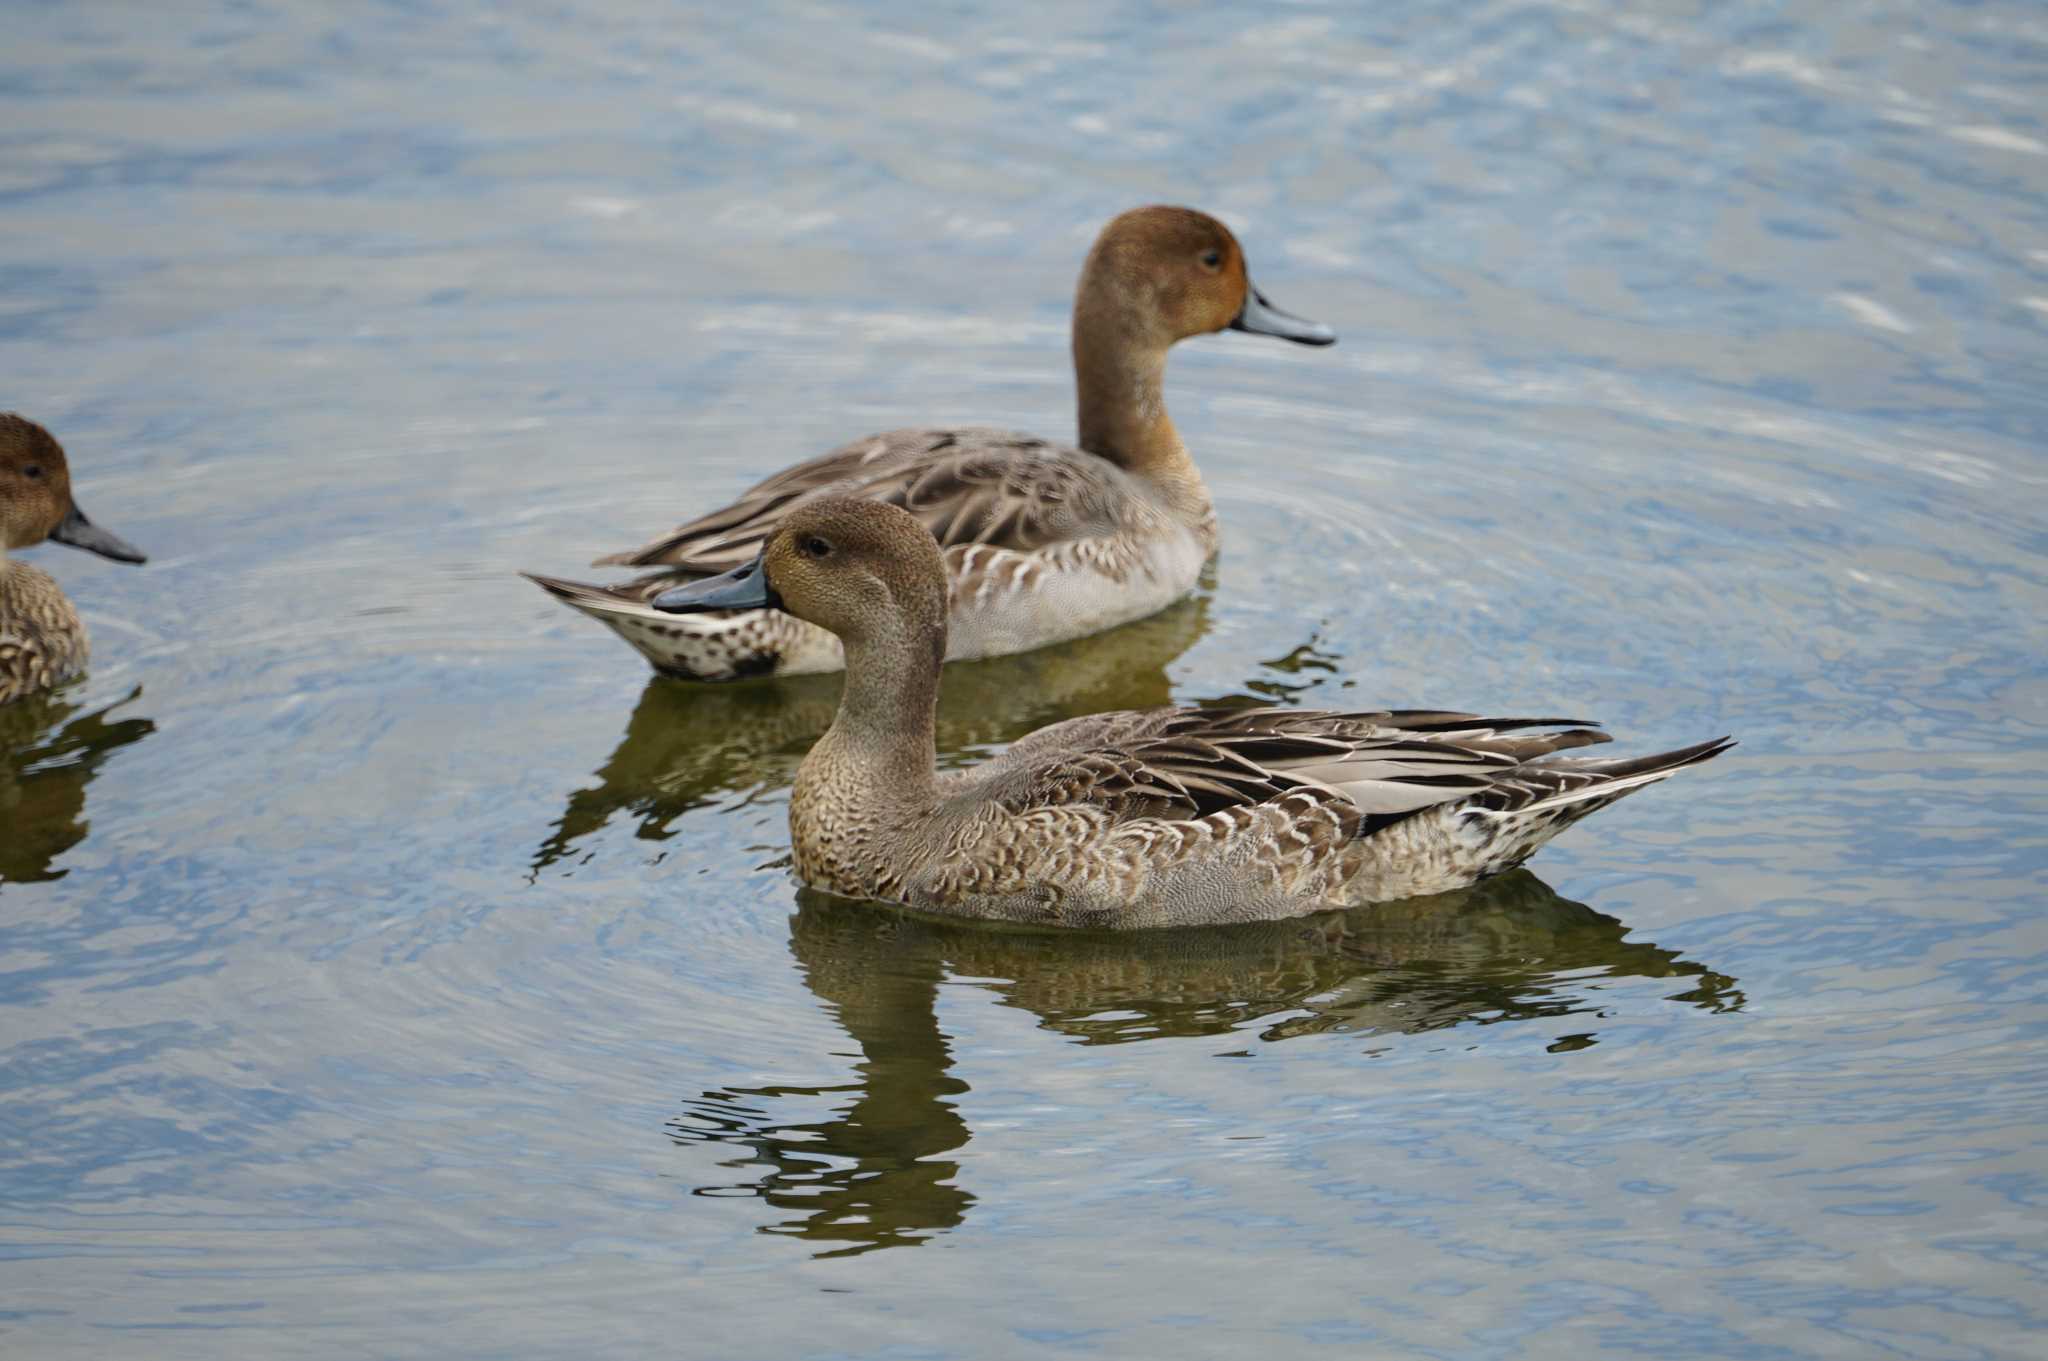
<point x="1144" y="818"/>
<point x="1042" y="542"/>
<point x="42" y="639"/>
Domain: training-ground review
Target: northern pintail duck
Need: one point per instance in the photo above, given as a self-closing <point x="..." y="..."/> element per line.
<point x="1043" y="542"/>
<point x="1155" y="817"/>
<point x="42" y="639"/>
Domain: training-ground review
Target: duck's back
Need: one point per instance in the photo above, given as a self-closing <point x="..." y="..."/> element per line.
<point x="968" y="484"/>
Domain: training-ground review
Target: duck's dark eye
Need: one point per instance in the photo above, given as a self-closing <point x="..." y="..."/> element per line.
<point x="815" y="547"/>
<point x="33" y="472"/>
<point x="1212" y="259"/>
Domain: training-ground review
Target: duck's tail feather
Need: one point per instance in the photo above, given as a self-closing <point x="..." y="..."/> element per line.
<point x="1579" y="778"/>
<point x="1503" y="827"/>
<point x="598" y="601"/>
<point x="721" y="645"/>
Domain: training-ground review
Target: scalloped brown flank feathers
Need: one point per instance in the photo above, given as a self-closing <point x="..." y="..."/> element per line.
<point x="42" y="639"/>
<point x="1042" y="542"/>
<point x="1160" y="817"/>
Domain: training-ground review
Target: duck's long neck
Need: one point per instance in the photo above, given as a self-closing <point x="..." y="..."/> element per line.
<point x="872" y="774"/>
<point x="1120" y="382"/>
<point x="888" y="711"/>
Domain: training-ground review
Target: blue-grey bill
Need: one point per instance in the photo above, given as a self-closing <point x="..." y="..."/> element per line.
<point x="743" y="588"/>
<point x="80" y="532"/>
<point x="1260" y="317"/>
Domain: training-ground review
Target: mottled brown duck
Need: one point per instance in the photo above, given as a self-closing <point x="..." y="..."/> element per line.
<point x="1155" y="817"/>
<point x="42" y="639"/>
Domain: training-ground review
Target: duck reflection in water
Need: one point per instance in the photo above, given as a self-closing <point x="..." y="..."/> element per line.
<point x="687" y="745"/>
<point x="870" y="1173"/>
<point x="49" y="753"/>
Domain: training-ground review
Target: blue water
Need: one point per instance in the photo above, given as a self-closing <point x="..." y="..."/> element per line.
<point x="390" y="967"/>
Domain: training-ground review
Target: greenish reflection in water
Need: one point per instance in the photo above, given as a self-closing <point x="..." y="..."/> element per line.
<point x="49" y="752"/>
<point x="873" y="1174"/>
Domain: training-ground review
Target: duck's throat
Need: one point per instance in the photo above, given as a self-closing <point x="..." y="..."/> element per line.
<point x="1120" y="384"/>
<point x="870" y="780"/>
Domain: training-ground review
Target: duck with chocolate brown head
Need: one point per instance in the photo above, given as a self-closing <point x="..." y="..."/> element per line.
<point x="1043" y="542"/>
<point x="42" y="639"/>
<point x="1157" y="276"/>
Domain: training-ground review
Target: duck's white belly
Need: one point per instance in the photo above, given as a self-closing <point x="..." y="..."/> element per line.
<point x="1002" y="602"/>
<point x="1005" y="602"/>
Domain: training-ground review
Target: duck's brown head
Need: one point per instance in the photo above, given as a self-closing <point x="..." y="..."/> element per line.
<point x="35" y="495"/>
<point x="1161" y="274"/>
<point x="863" y="569"/>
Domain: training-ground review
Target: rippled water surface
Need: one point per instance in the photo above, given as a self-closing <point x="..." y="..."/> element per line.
<point x="390" y="966"/>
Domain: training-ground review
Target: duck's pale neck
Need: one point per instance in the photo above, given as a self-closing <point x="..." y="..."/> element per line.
<point x="1120" y="383"/>
<point x="880" y="753"/>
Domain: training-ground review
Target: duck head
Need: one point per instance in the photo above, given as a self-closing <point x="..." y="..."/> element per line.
<point x="1161" y="274"/>
<point x="868" y="571"/>
<point x="35" y="495"/>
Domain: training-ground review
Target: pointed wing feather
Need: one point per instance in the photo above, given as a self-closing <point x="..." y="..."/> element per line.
<point x="1383" y="765"/>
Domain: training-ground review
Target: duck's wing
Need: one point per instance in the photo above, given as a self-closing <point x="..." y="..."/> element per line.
<point x="1371" y="768"/>
<point x="968" y="485"/>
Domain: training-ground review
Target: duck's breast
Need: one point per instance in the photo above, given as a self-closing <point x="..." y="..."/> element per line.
<point x="42" y="639"/>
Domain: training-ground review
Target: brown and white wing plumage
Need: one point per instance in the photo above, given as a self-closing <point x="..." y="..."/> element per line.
<point x="1191" y="763"/>
<point x="1174" y="815"/>
<point x="973" y="485"/>
<point x="1042" y="542"/>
